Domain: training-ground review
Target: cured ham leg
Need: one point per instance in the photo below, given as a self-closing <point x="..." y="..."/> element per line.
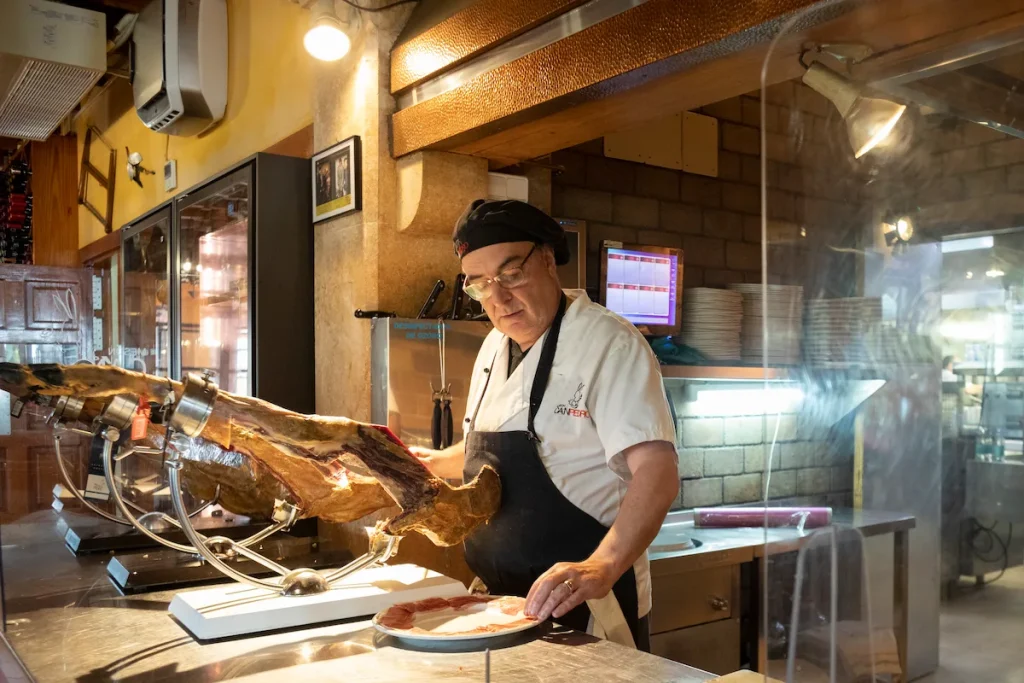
<point x="334" y="468"/>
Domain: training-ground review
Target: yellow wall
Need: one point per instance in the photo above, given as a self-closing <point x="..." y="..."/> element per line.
<point x="270" y="96"/>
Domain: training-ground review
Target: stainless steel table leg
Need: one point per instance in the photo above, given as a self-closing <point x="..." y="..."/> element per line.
<point x="760" y="604"/>
<point x="901" y="584"/>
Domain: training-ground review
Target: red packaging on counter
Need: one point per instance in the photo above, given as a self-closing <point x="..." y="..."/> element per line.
<point x="728" y="518"/>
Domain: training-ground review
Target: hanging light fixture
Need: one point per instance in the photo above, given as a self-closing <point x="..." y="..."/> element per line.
<point x="869" y="121"/>
<point x="326" y="38"/>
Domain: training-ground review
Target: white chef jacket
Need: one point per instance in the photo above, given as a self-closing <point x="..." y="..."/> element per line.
<point x="604" y="395"/>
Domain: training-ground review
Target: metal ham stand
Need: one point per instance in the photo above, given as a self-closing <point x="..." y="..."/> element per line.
<point x="188" y="419"/>
<point x="118" y="534"/>
<point x="285" y="598"/>
<point x="181" y="564"/>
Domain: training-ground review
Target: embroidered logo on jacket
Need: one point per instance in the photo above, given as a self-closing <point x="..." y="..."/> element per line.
<point x="573" y="409"/>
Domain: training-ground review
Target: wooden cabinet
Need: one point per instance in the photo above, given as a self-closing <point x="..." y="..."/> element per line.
<point x="692" y="598"/>
<point x="713" y="647"/>
<point x="28" y="466"/>
<point x="695" y="618"/>
<point x="45" y="317"/>
<point x="45" y="307"/>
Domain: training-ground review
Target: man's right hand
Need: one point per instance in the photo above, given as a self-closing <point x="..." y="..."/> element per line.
<point x="446" y="464"/>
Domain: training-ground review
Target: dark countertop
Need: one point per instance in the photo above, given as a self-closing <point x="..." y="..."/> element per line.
<point x="67" y="623"/>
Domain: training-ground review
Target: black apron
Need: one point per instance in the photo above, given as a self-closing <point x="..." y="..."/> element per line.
<point x="536" y="526"/>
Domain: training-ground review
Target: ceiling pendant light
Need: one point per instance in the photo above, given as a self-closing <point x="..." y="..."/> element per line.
<point x="326" y="39"/>
<point x="869" y="121"/>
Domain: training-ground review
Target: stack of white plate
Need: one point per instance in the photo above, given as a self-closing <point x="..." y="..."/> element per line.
<point x="711" y="322"/>
<point x="886" y="343"/>
<point x="784" y="324"/>
<point x="834" y="332"/>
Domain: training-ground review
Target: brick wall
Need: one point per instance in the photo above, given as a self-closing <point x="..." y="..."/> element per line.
<point x="815" y="203"/>
<point x="964" y="177"/>
<point x="722" y="456"/>
<point x="717" y="221"/>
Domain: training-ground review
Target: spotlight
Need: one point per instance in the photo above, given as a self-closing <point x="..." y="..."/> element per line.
<point x="904" y="229"/>
<point x="869" y="121"/>
<point x="900" y="230"/>
<point x="326" y="39"/>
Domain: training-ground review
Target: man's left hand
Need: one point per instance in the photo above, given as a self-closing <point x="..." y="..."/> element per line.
<point x="568" y="585"/>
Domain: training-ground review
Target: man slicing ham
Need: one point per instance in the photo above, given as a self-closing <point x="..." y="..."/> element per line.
<point x="566" y="403"/>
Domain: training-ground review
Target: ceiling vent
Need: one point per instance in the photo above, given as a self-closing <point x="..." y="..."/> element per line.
<point x="51" y="55"/>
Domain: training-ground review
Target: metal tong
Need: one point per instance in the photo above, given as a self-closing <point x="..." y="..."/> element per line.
<point x="442" y="426"/>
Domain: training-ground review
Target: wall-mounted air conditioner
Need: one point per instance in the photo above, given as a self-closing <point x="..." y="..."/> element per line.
<point x="180" y="65"/>
<point x="51" y="55"/>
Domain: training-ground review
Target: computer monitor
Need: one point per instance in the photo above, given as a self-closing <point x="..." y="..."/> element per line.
<point x="644" y="285"/>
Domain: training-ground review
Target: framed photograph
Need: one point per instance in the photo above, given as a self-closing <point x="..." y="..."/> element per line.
<point x="337" y="180"/>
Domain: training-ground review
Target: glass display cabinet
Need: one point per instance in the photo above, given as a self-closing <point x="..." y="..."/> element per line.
<point x="145" y="293"/>
<point x="216" y="282"/>
<point x="213" y="271"/>
<point x="106" y="312"/>
<point x="242" y="281"/>
<point x="219" y="281"/>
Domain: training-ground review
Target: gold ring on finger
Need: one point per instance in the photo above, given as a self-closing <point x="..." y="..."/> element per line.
<point x="568" y="584"/>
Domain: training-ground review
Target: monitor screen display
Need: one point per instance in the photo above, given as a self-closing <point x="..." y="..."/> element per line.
<point x="642" y="286"/>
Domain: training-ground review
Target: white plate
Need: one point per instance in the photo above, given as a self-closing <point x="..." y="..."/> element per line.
<point x="451" y="625"/>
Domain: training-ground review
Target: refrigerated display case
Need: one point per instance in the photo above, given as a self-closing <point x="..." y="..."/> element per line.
<point x="215" y="281"/>
<point x="219" y="281"/>
<point x="242" y="281"/>
<point x="213" y="277"/>
<point x="145" y="296"/>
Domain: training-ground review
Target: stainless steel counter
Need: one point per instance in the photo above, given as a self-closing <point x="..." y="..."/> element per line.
<point x="721" y="547"/>
<point x="717" y="547"/>
<point x="67" y="623"/>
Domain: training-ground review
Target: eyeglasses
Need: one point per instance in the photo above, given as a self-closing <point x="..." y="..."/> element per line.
<point x="508" y="279"/>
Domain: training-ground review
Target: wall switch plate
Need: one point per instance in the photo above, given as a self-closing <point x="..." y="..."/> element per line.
<point x="170" y="175"/>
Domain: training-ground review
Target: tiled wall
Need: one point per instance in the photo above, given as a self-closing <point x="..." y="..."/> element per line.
<point x="722" y="457"/>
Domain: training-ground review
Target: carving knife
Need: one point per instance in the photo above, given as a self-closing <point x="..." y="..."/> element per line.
<point x="432" y="299"/>
<point x="457" y="295"/>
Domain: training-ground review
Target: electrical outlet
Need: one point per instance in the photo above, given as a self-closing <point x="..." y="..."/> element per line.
<point x="170" y="175"/>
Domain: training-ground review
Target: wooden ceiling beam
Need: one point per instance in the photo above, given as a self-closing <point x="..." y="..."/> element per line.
<point x="895" y="30"/>
<point x="980" y="40"/>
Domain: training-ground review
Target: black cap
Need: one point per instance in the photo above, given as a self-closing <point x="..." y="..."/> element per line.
<point x="497" y="222"/>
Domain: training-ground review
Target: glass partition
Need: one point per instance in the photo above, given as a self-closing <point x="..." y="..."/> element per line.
<point x="891" y="185"/>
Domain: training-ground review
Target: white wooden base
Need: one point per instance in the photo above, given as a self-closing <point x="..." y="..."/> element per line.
<point x="236" y="609"/>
